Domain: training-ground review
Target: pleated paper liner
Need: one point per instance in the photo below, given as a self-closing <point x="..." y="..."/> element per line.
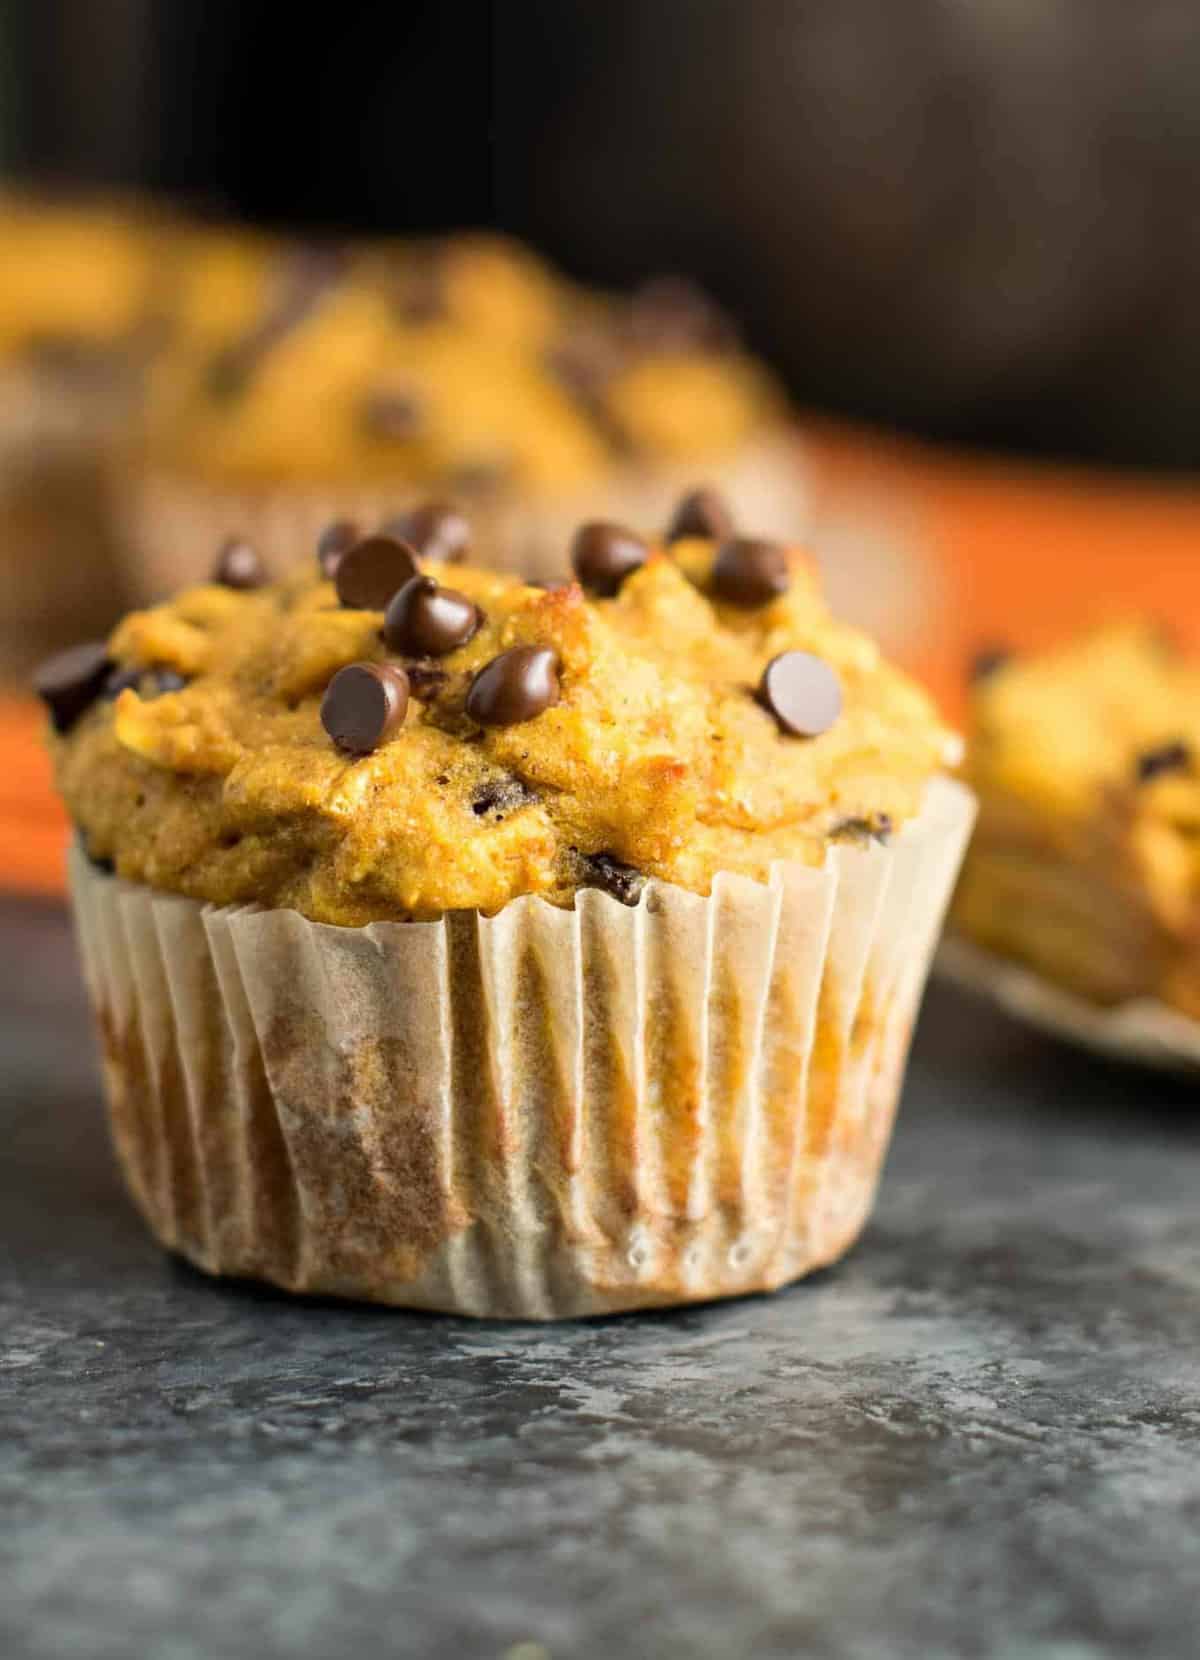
<point x="1144" y="1031"/>
<point x="174" y="524"/>
<point x="538" y="1114"/>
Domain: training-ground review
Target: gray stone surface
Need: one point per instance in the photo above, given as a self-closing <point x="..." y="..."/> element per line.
<point x="979" y="1436"/>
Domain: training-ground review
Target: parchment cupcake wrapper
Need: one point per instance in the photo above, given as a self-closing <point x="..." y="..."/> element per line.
<point x="172" y="524"/>
<point x="538" y="1114"/>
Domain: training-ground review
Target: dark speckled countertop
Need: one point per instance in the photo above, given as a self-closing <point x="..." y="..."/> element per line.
<point x="979" y="1436"/>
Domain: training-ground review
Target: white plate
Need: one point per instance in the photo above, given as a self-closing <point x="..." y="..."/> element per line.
<point x="1145" y="1031"/>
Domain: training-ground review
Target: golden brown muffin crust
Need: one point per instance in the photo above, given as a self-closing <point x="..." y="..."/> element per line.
<point x="658" y="759"/>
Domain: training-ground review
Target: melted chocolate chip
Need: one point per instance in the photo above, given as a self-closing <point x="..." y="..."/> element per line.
<point x="421" y="297"/>
<point x="671" y="313"/>
<point x="335" y="540"/>
<point x="585" y="361"/>
<point x="878" y="826"/>
<point x="482" y="477"/>
<point x="364" y="706"/>
<point x="392" y="415"/>
<point x="623" y="882"/>
<point x="69" y="356"/>
<point x="436" y="529"/>
<point x="305" y="277"/>
<point x="802" y="692"/>
<point x="516" y="686"/>
<point x="238" y="566"/>
<point x="425" y="680"/>
<point x="603" y="555"/>
<point x="426" y="620"/>
<point x="70" y="682"/>
<point x="104" y="865"/>
<point x="370" y="572"/>
<point x="988" y="662"/>
<point x="1175" y="756"/>
<point x="230" y="370"/>
<point x="702" y="512"/>
<point x="749" y="573"/>
<point x="502" y="795"/>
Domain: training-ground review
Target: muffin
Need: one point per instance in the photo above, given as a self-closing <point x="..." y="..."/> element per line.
<point x="311" y="383"/>
<point x="468" y="944"/>
<point x="74" y="314"/>
<point x="1086" y="864"/>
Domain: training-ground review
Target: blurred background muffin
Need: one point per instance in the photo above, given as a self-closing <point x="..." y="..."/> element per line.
<point x="75" y="330"/>
<point x="309" y="381"/>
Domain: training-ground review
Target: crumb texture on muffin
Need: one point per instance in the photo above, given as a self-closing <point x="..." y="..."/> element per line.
<point x="709" y="716"/>
<point x="1086" y="862"/>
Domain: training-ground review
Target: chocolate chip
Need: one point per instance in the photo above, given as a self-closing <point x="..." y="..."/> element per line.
<point x="425" y="680"/>
<point x="69" y="356"/>
<point x="502" y="795"/>
<point x="304" y="279"/>
<point x="1175" y="756"/>
<point x="585" y="361"/>
<point x="481" y="477"/>
<point x="421" y="297"/>
<point x="802" y="692"/>
<point x="230" y="370"/>
<point x="238" y="566"/>
<point x="121" y="680"/>
<point x="623" y="882"/>
<point x="370" y="572"/>
<point x="70" y="682"/>
<point x="988" y="662"/>
<point x="436" y="529"/>
<point x="672" y="314"/>
<point x="99" y="862"/>
<point x="749" y="573"/>
<point x="391" y="415"/>
<point x="364" y="705"/>
<point x="426" y="620"/>
<point x="333" y="542"/>
<point x="878" y="826"/>
<point x="603" y="555"/>
<point x="703" y="513"/>
<point x="516" y="686"/>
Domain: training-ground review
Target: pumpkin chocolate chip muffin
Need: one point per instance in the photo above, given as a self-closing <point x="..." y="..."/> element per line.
<point x="305" y="384"/>
<point x="512" y="949"/>
<point x="1086" y="864"/>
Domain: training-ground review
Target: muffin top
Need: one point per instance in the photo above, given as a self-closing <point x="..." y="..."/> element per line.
<point x="386" y="736"/>
<point x="463" y="362"/>
<point x="74" y="281"/>
<point x="1114" y="714"/>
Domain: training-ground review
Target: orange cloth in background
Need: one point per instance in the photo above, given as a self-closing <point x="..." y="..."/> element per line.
<point x="1019" y="555"/>
<point x="1023" y="554"/>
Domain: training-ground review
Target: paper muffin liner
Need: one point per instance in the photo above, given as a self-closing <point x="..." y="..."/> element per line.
<point x="537" y="1114"/>
<point x="172" y="524"/>
<point x="1143" y="1030"/>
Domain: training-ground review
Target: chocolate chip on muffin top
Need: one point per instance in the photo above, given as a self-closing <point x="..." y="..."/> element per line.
<point x="448" y="738"/>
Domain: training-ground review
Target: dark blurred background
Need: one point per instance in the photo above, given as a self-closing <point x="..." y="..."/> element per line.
<point x="972" y="220"/>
